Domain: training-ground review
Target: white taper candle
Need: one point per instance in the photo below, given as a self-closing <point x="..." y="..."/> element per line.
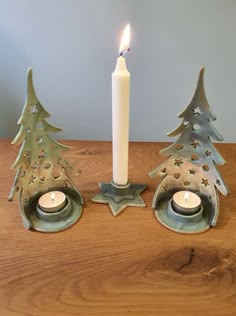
<point x="120" y="114"/>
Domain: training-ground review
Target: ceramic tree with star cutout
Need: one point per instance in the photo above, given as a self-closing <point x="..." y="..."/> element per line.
<point x="39" y="165"/>
<point x="193" y="157"/>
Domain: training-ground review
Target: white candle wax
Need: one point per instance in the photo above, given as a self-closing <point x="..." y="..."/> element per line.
<point x="186" y="202"/>
<point x="120" y="115"/>
<point x="52" y="201"/>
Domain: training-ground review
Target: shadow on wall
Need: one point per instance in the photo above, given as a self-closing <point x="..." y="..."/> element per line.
<point x="12" y="88"/>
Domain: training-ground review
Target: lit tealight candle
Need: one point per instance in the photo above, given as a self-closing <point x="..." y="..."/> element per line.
<point x="52" y="201"/>
<point x="186" y="202"/>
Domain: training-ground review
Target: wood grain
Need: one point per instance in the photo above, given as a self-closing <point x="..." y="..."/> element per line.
<point x="128" y="265"/>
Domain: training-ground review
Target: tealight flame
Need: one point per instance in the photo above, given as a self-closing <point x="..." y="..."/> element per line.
<point x="52" y="196"/>
<point x="125" y="41"/>
<point x="186" y="197"/>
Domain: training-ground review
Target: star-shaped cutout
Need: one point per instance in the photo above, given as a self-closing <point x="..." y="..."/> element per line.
<point x="197" y="111"/>
<point x="192" y="171"/>
<point x="66" y="185"/>
<point x="205" y="182"/>
<point x="195" y="143"/>
<point x="218" y="182"/>
<point x="42" y="154"/>
<point x="166" y="187"/>
<point x="33" y="108"/>
<point x="178" y="162"/>
<point x="31" y="179"/>
<point x="119" y="197"/>
<point x="207" y="153"/>
<point x="27" y="154"/>
<point x="28" y="130"/>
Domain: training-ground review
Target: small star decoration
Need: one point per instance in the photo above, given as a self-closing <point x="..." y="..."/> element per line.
<point x="119" y="198"/>
<point x="31" y="179"/>
<point x="27" y="154"/>
<point x="205" y="182"/>
<point x="197" y="111"/>
<point x="195" y="143"/>
<point x="28" y="130"/>
<point x="207" y="153"/>
<point x="33" y="108"/>
<point x="166" y="187"/>
<point x="42" y="154"/>
<point x="178" y="162"/>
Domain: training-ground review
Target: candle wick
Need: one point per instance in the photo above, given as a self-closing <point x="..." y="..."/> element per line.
<point x="185" y="198"/>
<point x="124" y="51"/>
<point x="53" y="197"/>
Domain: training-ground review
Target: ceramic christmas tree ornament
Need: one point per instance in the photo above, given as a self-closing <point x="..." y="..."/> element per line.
<point x="186" y="200"/>
<point x="48" y="198"/>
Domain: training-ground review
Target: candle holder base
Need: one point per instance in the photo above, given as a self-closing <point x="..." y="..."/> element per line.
<point x="196" y="223"/>
<point x="120" y="197"/>
<point x="37" y="219"/>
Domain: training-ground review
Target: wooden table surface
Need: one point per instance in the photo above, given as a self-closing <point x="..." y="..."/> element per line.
<point x="125" y="265"/>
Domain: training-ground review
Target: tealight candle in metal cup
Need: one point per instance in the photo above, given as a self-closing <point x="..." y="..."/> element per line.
<point x="186" y="202"/>
<point x="52" y="201"/>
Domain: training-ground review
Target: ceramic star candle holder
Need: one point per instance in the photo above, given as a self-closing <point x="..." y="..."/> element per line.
<point x="48" y="199"/>
<point x="119" y="197"/>
<point x="186" y="200"/>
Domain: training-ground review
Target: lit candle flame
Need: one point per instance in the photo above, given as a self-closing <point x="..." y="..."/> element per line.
<point x="186" y="197"/>
<point x="52" y="196"/>
<point x="125" y="41"/>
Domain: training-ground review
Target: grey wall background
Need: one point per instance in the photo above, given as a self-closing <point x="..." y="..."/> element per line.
<point x="72" y="47"/>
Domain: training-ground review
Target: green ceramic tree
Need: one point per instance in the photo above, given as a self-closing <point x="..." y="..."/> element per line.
<point x="193" y="157"/>
<point x="39" y="165"/>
